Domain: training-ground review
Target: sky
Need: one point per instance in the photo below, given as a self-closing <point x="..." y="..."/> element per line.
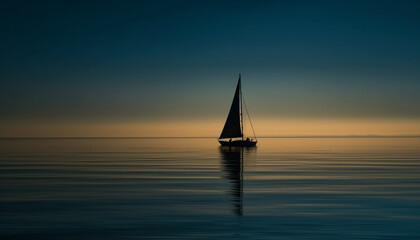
<point x="169" y="68"/>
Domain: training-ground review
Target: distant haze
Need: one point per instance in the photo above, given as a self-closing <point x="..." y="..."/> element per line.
<point x="169" y="68"/>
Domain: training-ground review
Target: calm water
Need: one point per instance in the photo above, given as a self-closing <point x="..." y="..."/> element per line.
<point x="286" y="188"/>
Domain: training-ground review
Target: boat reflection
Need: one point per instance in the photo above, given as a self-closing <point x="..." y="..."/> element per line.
<point x="232" y="160"/>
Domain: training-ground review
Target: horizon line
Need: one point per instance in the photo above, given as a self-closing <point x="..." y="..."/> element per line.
<point x="178" y="137"/>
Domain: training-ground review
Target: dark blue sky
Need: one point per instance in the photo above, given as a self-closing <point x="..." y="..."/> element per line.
<point x="142" y="60"/>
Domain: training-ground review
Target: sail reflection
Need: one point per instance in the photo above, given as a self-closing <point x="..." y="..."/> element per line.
<point x="232" y="159"/>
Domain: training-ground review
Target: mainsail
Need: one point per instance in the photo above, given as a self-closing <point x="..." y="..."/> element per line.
<point x="232" y="128"/>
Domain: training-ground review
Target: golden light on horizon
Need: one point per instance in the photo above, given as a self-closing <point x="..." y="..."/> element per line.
<point x="212" y="128"/>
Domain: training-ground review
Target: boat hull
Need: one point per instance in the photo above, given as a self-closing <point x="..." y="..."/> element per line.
<point x="238" y="143"/>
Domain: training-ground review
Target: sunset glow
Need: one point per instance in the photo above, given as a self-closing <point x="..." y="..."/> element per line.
<point x="212" y="127"/>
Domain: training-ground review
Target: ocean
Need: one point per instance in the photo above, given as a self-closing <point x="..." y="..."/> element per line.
<point x="191" y="188"/>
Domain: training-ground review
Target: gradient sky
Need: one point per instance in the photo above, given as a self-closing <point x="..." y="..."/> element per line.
<point x="169" y="68"/>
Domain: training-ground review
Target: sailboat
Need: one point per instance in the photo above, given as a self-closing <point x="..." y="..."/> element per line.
<point x="233" y="131"/>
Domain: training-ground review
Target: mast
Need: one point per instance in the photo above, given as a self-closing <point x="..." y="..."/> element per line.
<point x="242" y="116"/>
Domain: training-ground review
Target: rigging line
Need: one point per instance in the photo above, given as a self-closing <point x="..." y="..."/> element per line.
<point x="243" y="99"/>
<point x="243" y="119"/>
<point x="241" y="109"/>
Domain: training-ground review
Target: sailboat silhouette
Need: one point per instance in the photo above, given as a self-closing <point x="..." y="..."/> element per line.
<point x="234" y="126"/>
